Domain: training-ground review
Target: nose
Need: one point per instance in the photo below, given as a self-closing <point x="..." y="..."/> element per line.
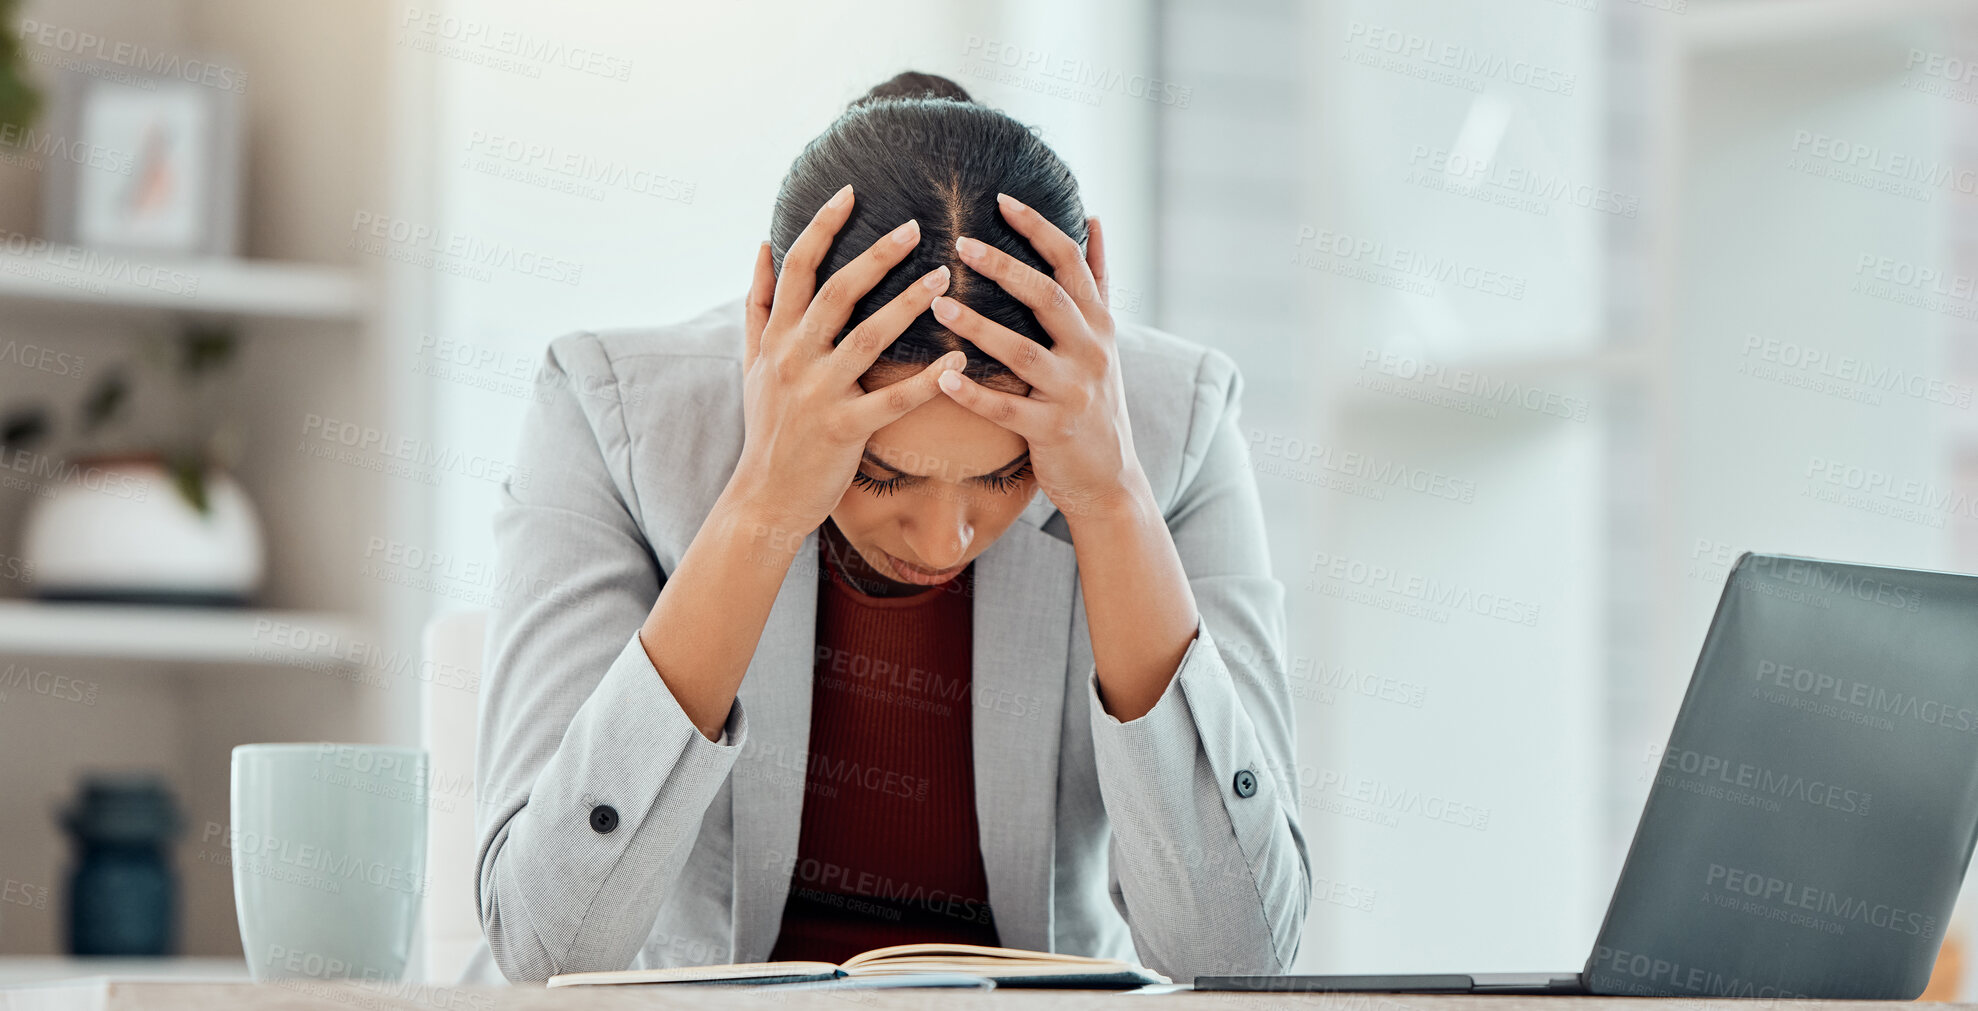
<point x="940" y="535"/>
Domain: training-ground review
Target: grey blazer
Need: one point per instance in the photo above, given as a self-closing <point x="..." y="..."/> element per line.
<point x="1172" y="839"/>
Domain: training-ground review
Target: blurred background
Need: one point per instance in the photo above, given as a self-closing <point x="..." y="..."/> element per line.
<point x="1547" y="309"/>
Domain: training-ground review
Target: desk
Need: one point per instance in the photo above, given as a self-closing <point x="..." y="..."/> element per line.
<point x="311" y="995"/>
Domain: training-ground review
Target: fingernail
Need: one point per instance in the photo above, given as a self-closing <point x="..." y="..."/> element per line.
<point x="969" y="248"/>
<point x="907" y="234"/>
<point x="945" y="309"/>
<point x="1009" y="201"/>
<point x="838" y="199"/>
<point x="936" y="280"/>
<point x="951" y="380"/>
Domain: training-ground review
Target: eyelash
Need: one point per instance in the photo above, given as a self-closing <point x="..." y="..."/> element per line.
<point x="998" y="483"/>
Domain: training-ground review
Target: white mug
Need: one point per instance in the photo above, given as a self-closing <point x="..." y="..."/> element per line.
<point x="328" y="845"/>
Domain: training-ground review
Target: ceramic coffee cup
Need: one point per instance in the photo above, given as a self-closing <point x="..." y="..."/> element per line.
<point x="328" y="845"/>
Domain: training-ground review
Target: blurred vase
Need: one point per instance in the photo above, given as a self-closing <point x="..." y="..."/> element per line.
<point x="122" y="530"/>
<point x="122" y="897"/>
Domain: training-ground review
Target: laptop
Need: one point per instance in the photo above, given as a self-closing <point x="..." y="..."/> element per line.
<point x="1812" y="815"/>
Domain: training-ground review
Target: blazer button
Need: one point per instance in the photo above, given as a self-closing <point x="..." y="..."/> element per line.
<point x="1246" y="783"/>
<point x="604" y="818"/>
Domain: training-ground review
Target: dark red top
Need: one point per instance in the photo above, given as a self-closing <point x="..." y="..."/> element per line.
<point x="889" y="851"/>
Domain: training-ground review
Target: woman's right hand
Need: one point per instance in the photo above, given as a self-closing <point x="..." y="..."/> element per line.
<point x="807" y="419"/>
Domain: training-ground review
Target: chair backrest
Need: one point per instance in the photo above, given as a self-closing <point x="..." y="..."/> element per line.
<point x="450" y="918"/>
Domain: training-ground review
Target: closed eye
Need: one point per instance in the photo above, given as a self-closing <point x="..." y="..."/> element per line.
<point x="888" y="485"/>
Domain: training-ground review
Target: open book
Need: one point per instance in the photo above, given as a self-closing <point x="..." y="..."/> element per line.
<point x="1005" y="966"/>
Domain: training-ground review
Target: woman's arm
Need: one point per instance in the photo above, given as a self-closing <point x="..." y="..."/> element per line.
<point x="807" y="423"/>
<point x="598" y="757"/>
<point x="1193" y="744"/>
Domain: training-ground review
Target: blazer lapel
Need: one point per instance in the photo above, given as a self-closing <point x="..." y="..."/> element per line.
<point x="768" y="776"/>
<point x="1024" y="585"/>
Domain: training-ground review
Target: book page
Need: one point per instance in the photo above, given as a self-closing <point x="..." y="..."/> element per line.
<point x="701" y="974"/>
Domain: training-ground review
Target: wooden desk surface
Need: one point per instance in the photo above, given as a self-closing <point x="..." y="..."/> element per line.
<point x="310" y="995"/>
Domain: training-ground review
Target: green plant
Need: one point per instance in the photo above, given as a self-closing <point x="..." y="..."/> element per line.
<point x="19" y="101"/>
<point x="197" y="358"/>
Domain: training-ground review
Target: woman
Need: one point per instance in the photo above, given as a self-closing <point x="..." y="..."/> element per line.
<point x="869" y="618"/>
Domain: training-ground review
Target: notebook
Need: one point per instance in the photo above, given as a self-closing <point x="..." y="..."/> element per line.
<point x="1009" y="967"/>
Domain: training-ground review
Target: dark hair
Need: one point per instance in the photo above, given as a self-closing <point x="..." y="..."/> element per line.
<point x="917" y="146"/>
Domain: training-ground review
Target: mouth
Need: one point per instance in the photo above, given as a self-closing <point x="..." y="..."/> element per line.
<point x="907" y="572"/>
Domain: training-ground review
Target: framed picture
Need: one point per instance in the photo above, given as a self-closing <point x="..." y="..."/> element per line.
<point x="154" y="164"/>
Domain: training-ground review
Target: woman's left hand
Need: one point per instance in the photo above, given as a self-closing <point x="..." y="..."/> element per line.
<point x="1074" y="418"/>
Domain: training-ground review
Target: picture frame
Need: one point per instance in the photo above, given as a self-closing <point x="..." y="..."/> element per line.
<point x="155" y="165"/>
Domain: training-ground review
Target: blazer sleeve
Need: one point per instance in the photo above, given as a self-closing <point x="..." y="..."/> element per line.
<point x="1208" y="861"/>
<point x="593" y="780"/>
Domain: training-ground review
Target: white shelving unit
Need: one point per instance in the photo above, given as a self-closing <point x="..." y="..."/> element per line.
<point x="87" y="278"/>
<point x="179" y="634"/>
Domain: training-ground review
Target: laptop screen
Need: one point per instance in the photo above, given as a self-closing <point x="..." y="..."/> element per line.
<point x="1815" y="808"/>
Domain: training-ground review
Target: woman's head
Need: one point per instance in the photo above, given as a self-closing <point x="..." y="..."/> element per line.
<point x="917" y="147"/>
<point x="942" y="483"/>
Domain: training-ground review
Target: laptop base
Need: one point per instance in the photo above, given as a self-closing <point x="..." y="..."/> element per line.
<point x="1527" y="983"/>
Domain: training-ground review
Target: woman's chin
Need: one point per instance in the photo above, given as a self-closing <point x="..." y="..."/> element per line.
<point x="907" y="572"/>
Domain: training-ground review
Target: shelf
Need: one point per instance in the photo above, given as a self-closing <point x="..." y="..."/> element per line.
<point x="1739" y="24"/>
<point x="180" y="634"/>
<point x="269" y="289"/>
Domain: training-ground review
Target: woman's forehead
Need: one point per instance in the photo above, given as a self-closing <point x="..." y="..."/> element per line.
<point x="945" y="440"/>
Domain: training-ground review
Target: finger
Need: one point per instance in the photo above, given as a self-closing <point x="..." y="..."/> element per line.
<point x="1021" y="415"/>
<point x="833" y="304"/>
<point x="799" y="277"/>
<point x="876" y="332"/>
<point x="1044" y="296"/>
<point x="881" y="407"/>
<point x="1058" y="249"/>
<point x="1032" y="362"/>
<point x="762" y="295"/>
<point x="1095" y="260"/>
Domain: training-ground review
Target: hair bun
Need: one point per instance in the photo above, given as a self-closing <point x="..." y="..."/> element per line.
<point x="913" y="84"/>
